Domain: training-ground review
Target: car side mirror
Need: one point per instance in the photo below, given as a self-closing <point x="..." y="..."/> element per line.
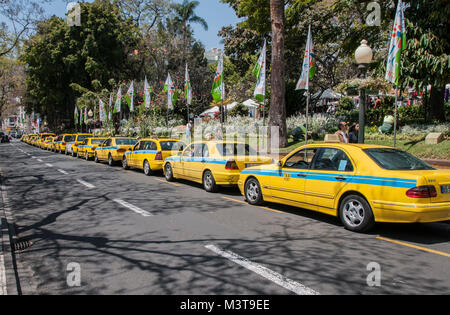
<point x="280" y="164"/>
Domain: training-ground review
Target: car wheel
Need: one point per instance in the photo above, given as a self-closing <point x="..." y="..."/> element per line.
<point x="356" y="214"/>
<point x="253" y="192"/>
<point x="125" y="163"/>
<point x="147" y="169"/>
<point x="168" y="173"/>
<point x="87" y="156"/>
<point x="110" y="160"/>
<point x="209" y="183"/>
<point x="73" y="154"/>
<point x="96" y="158"/>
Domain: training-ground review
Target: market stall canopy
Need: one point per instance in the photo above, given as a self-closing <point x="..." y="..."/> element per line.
<point x="328" y="94"/>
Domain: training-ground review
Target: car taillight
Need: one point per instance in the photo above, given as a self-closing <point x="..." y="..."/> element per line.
<point x="422" y="192"/>
<point x="92" y="149"/>
<point x="77" y="145"/>
<point x="158" y="156"/>
<point x="63" y="143"/>
<point x="121" y="151"/>
<point x="232" y="166"/>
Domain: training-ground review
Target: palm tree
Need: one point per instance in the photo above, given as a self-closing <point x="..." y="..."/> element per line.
<point x="278" y="103"/>
<point x="184" y="16"/>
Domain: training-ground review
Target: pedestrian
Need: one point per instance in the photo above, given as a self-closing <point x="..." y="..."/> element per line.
<point x="342" y="132"/>
<point x="353" y="133"/>
<point x="189" y="131"/>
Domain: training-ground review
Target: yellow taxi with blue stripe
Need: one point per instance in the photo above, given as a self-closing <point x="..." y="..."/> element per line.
<point x="87" y="149"/>
<point x="46" y="142"/>
<point x="42" y="138"/>
<point x="360" y="184"/>
<point x="52" y="145"/>
<point x="149" y="154"/>
<point x="72" y="147"/>
<point x="213" y="163"/>
<point x="113" y="149"/>
<point x="61" y="145"/>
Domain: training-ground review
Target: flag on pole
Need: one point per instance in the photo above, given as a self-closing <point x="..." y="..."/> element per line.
<point x="110" y="107"/>
<point x="218" y="89"/>
<point x="85" y="114"/>
<point x="81" y="116"/>
<point x="129" y="97"/>
<point x="76" y="114"/>
<point x="118" y="104"/>
<point x="170" y="89"/>
<point x="95" y="113"/>
<point x="309" y="64"/>
<point x="102" y="111"/>
<point x="187" y="87"/>
<point x="260" y="73"/>
<point x="147" y="94"/>
<point x="397" y="45"/>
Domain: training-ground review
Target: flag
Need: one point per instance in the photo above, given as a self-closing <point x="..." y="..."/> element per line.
<point x="397" y="45"/>
<point x="187" y="87"/>
<point x="309" y="64"/>
<point x="218" y="89"/>
<point x="75" y="114"/>
<point x="102" y="111"/>
<point x="85" y="114"/>
<point x="81" y="117"/>
<point x="110" y="107"/>
<point x="129" y="97"/>
<point x="260" y="73"/>
<point x="147" y="94"/>
<point x="118" y="104"/>
<point x="170" y="89"/>
<point x="95" y="113"/>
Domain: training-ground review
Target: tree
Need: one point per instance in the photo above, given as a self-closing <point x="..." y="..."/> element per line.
<point x="59" y="56"/>
<point x="278" y="103"/>
<point x="184" y="15"/>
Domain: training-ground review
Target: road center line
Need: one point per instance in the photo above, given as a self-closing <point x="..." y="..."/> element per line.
<point x="39" y="160"/>
<point x="133" y="208"/>
<point x="49" y="165"/>
<point x="82" y="182"/>
<point x="271" y="275"/>
<point x="63" y="172"/>
<point x="413" y="246"/>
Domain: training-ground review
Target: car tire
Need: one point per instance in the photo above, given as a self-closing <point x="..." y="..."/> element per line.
<point x="209" y="183"/>
<point x="147" y="169"/>
<point x="356" y="214"/>
<point x="73" y="154"/>
<point x="125" y="163"/>
<point x="96" y="158"/>
<point x="253" y="192"/>
<point x="110" y="160"/>
<point x="86" y="156"/>
<point x="168" y="173"/>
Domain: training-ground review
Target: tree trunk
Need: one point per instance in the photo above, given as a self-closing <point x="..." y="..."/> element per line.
<point x="278" y="102"/>
<point x="437" y="104"/>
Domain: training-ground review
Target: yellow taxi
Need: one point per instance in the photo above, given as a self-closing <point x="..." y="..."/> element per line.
<point x="45" y="143"/>
<point x="72" y="147"/>
<point x="60" y="146"/>
<point x="149" y="154"/>
<point x="113" y="149"/>
<point x="42" y="138"/>
<point x="213" y="163"/>
<point x="34" y="140"/>
<point x="360" y="184"/>
<point x="87" y="149"/>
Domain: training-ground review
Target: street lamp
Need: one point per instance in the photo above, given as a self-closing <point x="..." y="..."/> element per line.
<point x="363" y="56"/>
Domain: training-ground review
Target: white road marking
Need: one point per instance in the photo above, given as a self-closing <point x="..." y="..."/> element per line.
<point x="39" y="160"/>
<point x="82" y="182"/>
<point x="63" y="172"/>
<point x="2" y="277"/>
<point x="273" y="276"/>
<point x="133" y="208"/>
<point x="49" y="165"/>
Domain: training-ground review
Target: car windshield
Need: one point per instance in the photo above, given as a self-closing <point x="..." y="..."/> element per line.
<point x="233" y="149"/>
<point x="97" y="141"/>
<point x="126" y="141"/>
<point x="69" y="138"/>
<point x="172" y="146"/>
<point x="393" y="159"/>
<point x="82" y="138"/>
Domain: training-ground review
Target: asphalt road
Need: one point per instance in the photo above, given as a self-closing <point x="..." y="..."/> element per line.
<point x="132" y="234"/>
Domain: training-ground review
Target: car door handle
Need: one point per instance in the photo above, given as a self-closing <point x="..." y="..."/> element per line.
<point x="341" y="178"/>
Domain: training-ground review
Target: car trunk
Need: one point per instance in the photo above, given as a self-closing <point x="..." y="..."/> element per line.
<point x="440" y="179"/>
<point x="244" y="162"/>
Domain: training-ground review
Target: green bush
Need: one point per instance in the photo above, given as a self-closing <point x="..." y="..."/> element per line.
<point x="411" y="115"/>
<point x="239" y="110"/>
<point x="346" y="104"/>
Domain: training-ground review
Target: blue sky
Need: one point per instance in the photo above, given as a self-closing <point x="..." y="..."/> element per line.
<point x="214" y="12"/>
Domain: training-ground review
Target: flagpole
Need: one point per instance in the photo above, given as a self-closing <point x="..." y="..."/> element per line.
<point x="395" y="117"/>
<point x="307" y="116"/>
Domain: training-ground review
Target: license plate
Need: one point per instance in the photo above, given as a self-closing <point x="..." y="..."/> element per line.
<point x="445" y="189"/>
<point x="251" y="165"/>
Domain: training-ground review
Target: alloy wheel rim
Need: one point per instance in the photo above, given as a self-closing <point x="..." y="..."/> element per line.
<point x="168" y="171"/>
<point x="252" y="191"/>
<point x="208" y="180"/>
<point x="146" y="168"/>
<point x="354" y="213"/>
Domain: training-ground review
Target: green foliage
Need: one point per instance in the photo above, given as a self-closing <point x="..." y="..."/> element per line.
<point x="411" y="115"/>
<point x="239" y="110"/>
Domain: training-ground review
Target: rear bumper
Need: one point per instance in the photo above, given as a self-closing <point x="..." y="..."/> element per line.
<point x="410" y="213"/>
<point x="226" y="179"/>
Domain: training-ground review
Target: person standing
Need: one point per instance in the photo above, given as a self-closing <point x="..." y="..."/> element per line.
<point x="189" y="131"/>
<point x="353" y="133"/>
<point x="342" y="132"/>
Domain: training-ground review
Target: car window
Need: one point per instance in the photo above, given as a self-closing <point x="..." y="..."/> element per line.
<point x="330" y="159"/>
<point x="126" y="141"/>
<point x="205" y="151"/>
<point x="188" y="151"/>
<point x="172" y="146"/>
<point x="69" y="138"/>
<point x="199" y="150"/>
<point x="393" y="159"/>
<point x="301" y="160"/>
<point x="234" y="149"/>
<point x="82" y="138"/>
<point x="97" y="141"/>
<point x="107" y="143"/>
<point x="150" y="146"/>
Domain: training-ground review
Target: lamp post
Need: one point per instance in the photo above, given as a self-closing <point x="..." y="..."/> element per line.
<point x="363" y="56"/>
